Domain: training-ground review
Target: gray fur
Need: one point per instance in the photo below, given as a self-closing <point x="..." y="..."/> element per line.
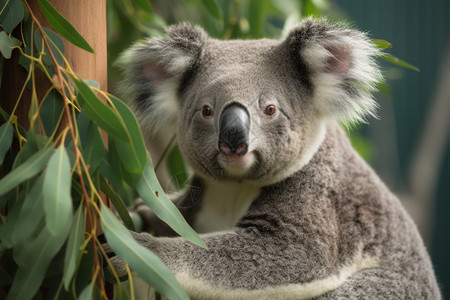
<point x="319" y="223"/>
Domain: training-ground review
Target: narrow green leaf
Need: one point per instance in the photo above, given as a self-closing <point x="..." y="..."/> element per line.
<point x="153" y="195"/>
<point x="381" y="44"/>
<point x="57" y="187"/>
<point x="177" y="168"/>
<point x="73" y="248"/>
<point x="7" y="44"/>
<point x="396" y="61"/>
<point x="31" y="213"/>
<point x="256" y="18"/>
<point x="33" y="260"/>
<point x="93" y="149"/>
<point x="56" y="46"/>
<point x="51" y="111"/>
<point x="5" y="279"/>
<point x="26" y="170"/>
<point x="118" y="204"/>
<point x="100" y="113"/>
<point x="213" y="8"/>
<point x="63" y="27"/>
<point x="87" y="293"/>
<point x="144" y="4"/>
<point x="140" y="259"/>
<point x="12" y="15"/>
<point x="6" y="137"/>
<point x="133" y="154"/>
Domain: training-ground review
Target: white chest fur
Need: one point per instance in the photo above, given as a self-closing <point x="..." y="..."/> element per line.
<point x="223" y="204"/>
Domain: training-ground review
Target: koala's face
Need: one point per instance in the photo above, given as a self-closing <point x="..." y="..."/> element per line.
<point x="245" y="114"/>
<point x="250" y="110"/>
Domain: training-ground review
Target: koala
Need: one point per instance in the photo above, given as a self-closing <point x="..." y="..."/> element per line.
<point x="285" y="205"/>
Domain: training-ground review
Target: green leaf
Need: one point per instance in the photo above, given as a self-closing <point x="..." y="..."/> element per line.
<point x="213" y="8"/>
<point x="87" y="293"/>
<point x="92" y="145"/>
<point x="381" y="44"/>
<point x="56" y="46"/>
<point x="144" y="5"/>
<point x="5" y="279"/>
<point x="7" y="44"/>
<point x="153" y="195"/>
<point x="73" y="248"/>
<point x="177" y="168"/>
<point x="6" y="137"/>
<point x="31" y="213"/>
<point x="57" y="187"/>
<point x="100" y="113"/>
<point x="256" y="18"/>
<point x="26" y="170"/>
<point x="118" y="204"/>
<point x="12" y="15"/>
<point x="63" y="27"/>
<point x="133" y="154"/>
<point x="140" y="259"/>
<point x="33" y="259"/>
<point x="396" y="61"/>
<point x="51" y="111"/>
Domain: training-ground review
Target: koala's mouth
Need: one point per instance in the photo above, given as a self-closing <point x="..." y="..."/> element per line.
<point x="237" y="164"/>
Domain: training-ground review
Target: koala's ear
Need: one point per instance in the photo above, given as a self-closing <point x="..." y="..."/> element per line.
<point x="339" y="65"/>
<point x="153" y="71"/>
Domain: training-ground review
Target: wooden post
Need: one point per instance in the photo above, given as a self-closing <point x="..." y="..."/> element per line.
<point x="89" y="18"/>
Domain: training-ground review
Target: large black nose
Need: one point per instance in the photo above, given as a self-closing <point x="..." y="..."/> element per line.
<point x="234" y="128"/>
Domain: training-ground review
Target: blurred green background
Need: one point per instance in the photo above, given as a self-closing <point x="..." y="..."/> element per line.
<point x="409" y="145"/>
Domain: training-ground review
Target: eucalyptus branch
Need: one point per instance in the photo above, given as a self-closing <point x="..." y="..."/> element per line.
<point x="72" y="134"/>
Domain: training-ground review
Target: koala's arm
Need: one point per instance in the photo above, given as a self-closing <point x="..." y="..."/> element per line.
<point x="261" y="252"/>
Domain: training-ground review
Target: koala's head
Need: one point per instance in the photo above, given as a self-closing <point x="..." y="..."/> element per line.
<point x="250" y="109"/>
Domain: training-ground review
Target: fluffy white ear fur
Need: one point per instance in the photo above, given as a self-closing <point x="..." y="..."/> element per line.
<point x="153" y="72"/>
<point x="342" y="66"/>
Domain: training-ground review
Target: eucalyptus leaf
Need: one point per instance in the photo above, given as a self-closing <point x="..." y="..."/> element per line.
<point x="63" y="27"/>
<point x="7" y="44"/>
<point x="31" y="213"/>
<point x="26" y="170"/>
<point x="56" y="46"/>
<point x="5" y="279"/>
<point x="213" y="8"/>
<point x="93" y="149"/>
<point x="140" y="259"/>
<point x="100" y="113"/>
<point x="51" y="111"/>
<point x="153" y="195"/>
<point x="34" y="260"/>
<point x="12" y="15"/>
<point x="177" y="168"/>
<point x="6" y="137"/>
<point x="144" y="5"/>
<point x="118" y="204"/>
<point x="57" y="189"/>
<point x="87" y="293"/>
<point x="381" y="44"/>
<point x="133" y="154"/>
<point x="73" y="249"/>
<point x="396" y="61"/>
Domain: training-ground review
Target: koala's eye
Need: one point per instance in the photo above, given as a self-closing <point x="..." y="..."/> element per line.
<point x="207" y="111"/>
<point x="270" y="110"/>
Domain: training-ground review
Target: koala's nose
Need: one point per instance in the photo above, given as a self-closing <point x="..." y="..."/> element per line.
<point x="234" y="128"/>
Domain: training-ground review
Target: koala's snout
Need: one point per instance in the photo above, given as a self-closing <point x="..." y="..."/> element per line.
<point x="234" y="128"/>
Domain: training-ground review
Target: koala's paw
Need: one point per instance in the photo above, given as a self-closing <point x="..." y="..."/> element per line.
<point x="115" y="262"/>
